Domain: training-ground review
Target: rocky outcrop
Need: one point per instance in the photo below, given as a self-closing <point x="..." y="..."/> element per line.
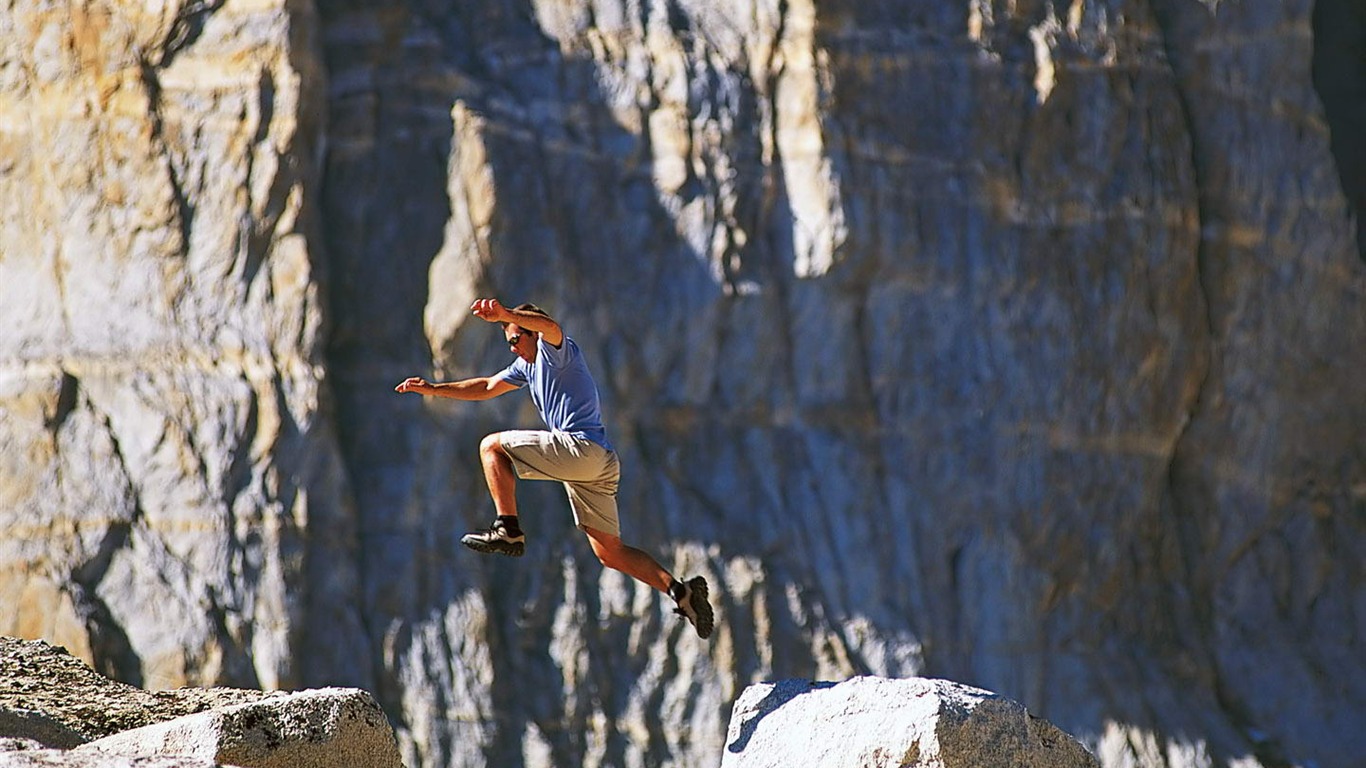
<point x="872" y="722"/>
<point x="1010" y="343"/>
<point x="327" y="727"/>
<point x="52" y="697"/>
<point x="54" y="710"/>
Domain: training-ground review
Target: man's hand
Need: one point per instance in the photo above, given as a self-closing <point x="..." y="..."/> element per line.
<point x="414" y="384"/>
<point x="490" y="310"/>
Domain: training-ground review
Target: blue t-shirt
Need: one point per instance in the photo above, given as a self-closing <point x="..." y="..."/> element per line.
<point x="562" y="389"/>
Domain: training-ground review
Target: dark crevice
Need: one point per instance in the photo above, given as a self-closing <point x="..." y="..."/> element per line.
<point x="1187" y="525"/>
<point x="185" y="30"/>
<point x="1190" y="503"/>
<point x="66" y="403"/>
<point x="112" y="651"/>
<point x="258" y="233"/>
<point x="187" y="27"/>
<point x="1339" y="75"/>
<point x="184" y="206"/>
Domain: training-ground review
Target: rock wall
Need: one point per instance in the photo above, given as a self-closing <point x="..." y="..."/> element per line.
<point x="1009" y="342"/>
<point x="170" y="476"/>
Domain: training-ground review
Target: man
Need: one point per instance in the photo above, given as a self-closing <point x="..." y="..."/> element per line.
<point x="575" y="451"/>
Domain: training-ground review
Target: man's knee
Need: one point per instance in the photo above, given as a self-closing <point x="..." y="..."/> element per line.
<point x="492" y="445"/>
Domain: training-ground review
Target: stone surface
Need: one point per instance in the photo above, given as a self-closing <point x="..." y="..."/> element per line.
<point x="308" y="729"/>
<point x="95" y="721"/>
<point x="869" y="722"/>
<point x="1011" y="343"/>
<point x="25" y="728"/>
<point x="51" y="758"/>
<point x="57" y="699"/>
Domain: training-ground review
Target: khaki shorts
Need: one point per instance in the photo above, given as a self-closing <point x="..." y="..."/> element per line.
<point x="590" y="473"/>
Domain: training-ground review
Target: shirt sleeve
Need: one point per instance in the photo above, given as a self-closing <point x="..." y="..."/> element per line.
<point x="558" y="358"/>
<point x="515" y="374"/>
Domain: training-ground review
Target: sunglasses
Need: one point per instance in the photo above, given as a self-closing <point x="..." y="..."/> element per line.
<point x="515" y="338"/>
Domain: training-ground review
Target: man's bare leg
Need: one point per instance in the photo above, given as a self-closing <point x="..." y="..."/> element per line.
<point x="689" y="596"/>
<point x="617" y="555"/>
<point x="505" y="536"/>
<point x="500" y="476"/>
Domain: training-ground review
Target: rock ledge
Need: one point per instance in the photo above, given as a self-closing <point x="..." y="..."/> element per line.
<point x="56" y="711"/>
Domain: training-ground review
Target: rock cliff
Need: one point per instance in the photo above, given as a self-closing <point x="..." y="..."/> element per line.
<point x="1016" y="343"/>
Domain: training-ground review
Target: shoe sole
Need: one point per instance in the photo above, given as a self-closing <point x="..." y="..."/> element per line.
<point x="497" y="548"/>
<point x="697" y="601"/>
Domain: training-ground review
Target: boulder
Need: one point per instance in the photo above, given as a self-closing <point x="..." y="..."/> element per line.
<point x="309" y="729"/>
<point x="55" y="710"/>
<point x="48" y="695"/>
<point x="870" y="722"/>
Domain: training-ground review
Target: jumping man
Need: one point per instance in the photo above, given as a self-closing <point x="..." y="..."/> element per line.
<point x="575" y="451"/>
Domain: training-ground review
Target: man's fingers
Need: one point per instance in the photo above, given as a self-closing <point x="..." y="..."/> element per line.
<point x="488" y="309"/>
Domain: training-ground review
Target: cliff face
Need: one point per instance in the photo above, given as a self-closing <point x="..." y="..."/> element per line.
<point x="167" y="459"/>
<point x="1013" y="343"/>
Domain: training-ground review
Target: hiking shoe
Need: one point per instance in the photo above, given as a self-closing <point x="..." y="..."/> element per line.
<point x="496" y="539"/>
<point x="693" y="606"/>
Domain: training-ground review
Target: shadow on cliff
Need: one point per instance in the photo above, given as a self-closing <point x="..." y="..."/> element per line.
<point x="1339" y="73"/>
<point x="579" y="228"/>
<point x="384" y="207"/>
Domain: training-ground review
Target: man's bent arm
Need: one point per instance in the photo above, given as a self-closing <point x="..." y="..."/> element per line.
<point x="494" y="312"/>
<point x="480" y="388"/>
<point x="537" y="323"/>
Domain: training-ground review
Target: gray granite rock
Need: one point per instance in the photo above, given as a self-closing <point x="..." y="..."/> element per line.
<point x="869" y="722"/>
<point x="57" y="699"/>
<point x="309" y="729"/>
<point x="97" y="722"/>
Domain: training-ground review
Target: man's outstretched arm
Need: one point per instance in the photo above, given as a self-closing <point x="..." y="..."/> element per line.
<point x="481" y="388"/>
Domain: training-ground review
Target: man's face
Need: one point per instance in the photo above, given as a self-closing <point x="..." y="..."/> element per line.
<point x="522" y="342"/>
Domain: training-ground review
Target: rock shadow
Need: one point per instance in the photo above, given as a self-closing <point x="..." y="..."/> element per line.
<point x="1339" y="75"/>
<point x="781" y="693"/>
<point x="580" y="227"/>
